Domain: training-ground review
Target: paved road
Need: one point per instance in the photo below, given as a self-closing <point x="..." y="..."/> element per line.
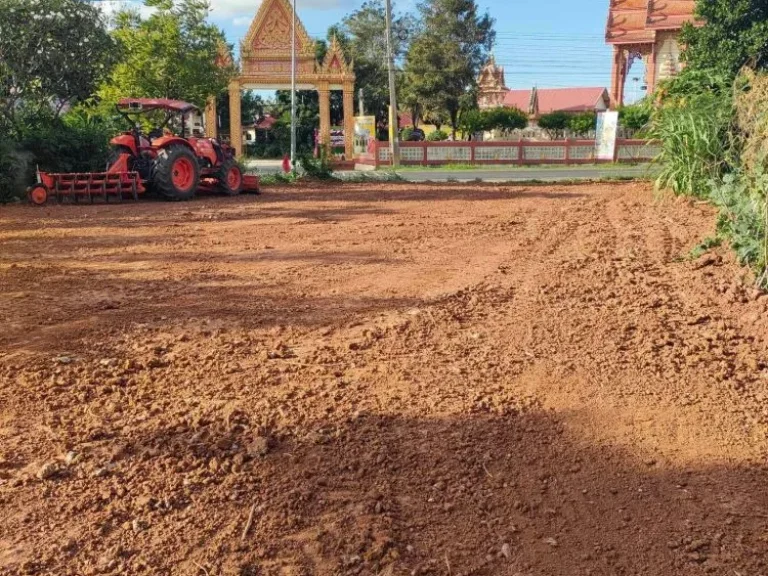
<point x="547" y="174"/>
<point x="555" y="174"/>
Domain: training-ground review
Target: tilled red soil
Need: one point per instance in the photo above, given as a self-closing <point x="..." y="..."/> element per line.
<point x="381" y="380"/>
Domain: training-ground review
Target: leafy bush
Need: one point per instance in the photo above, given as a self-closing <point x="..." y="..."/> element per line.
<point x="405" y="134"/>
<point x="318" y="168"/>
<point x="9" y="176"/>
<point x="582" y="124"/>
<point x="635" y="117"/>
<point x="693" y="125"/>
<point x="554" y="123"/>
<point x="473" y="121"/>
<point x="70" y="144"/>
<point x="437" y="136"/>
<point x="502" y="118"/>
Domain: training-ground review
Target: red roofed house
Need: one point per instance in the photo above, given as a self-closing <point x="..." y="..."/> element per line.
<point x="538" y="101"/>
<point x="647" y="30"/>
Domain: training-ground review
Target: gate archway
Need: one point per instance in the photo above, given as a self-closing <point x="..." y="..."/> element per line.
<point x="265" y="64"/>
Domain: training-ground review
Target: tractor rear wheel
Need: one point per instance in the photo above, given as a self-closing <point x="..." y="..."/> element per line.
<point x="38" y="194"/>
<point x="175" y="174"/>
<point x="230" y="177"/>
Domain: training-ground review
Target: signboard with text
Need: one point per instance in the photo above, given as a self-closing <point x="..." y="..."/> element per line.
<point x="605" y="139"/>
<point x="365" y="133"/>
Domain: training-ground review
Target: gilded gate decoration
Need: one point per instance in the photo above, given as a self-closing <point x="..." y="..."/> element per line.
<point x="265" y="63"/>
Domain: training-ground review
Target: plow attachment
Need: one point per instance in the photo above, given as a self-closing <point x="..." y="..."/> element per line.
<point x="86" y="187"/>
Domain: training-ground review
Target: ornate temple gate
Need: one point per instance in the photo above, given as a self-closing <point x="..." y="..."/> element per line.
<point x="645" y="30"/>
<point x="265" y="64"/>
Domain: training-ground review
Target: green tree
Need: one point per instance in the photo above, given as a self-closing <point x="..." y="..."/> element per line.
<point x="582" y="124"/>
<point x="52" y="52"/>
<point x="473" y="121"/>
<point x="171" y="54"/>
<point x="443" y="61"/>
<point x="251" y="107"/>
<point x="734" y="34"/>
<point x="362" y="35"/>
<point x="635" y="117"/>
<point x="554" y="123"/>
<point x="502" y="118"/>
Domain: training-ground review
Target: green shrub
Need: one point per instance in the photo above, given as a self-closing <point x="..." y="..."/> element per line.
<point x="554" y="123"/>
<point x="9" y="176"/>
<point x="695" y="142"/>
<point x="635" y="117"/>
<point x="437" y="136"/>
<point x="318" y="168"/>
<point x="70" y="144"/>
<point x="405" y="134"/>
<point x="502" y="118"/>
<point x="582" y="124"/>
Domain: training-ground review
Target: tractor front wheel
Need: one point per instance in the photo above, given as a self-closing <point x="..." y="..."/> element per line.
<point x="175" y="174"/>
<point x="230" y="178"/>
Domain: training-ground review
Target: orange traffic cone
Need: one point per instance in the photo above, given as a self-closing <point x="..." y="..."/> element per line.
<point x="286" y="164"/>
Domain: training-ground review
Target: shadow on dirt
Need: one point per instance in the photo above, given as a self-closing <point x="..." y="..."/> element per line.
<point x="488" y="494"/>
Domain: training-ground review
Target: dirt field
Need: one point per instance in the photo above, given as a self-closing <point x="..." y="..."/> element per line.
<point x="381" y="380"/>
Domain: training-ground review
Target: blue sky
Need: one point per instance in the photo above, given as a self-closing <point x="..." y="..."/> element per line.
<point x="547" y="43"/>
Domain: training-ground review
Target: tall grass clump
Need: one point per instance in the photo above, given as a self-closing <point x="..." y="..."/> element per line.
<point x="693" y="123"/>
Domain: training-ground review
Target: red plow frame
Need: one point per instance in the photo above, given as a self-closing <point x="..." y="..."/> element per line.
<point x="86" y="186"/>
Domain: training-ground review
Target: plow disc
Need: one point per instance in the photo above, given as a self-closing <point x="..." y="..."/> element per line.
<point x="86" y="187"/>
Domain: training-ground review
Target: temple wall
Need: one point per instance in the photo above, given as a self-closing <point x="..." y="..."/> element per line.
<point x="667" y="55"/>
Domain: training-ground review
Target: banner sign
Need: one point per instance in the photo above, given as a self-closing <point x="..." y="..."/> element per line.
<point x="605" y="140"/>
<point x="365" y="133"/>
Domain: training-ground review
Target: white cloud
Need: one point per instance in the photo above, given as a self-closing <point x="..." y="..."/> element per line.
<point x="242" y="20"/>
<point x="249" y="7"/>
<point x="112" y="7"/>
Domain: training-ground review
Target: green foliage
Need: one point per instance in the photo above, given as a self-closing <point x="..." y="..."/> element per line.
<point x="52" y="52"/>
<point x="635" y="117"/>
<point x="582" y="124"/>
<point x="171" y="54"/>
<point x="473" y="121"/>
<point x="406" y="133"/>
<point x="554" y="123"/>
<point x="741" y="197"/>
<point x="8" y="173"/>
<point x="318" y="168"/>
<point x="362" y="35"/>
<point x="693" y="125"/>
<point x="444" y="59"/>
<point x="251" y="106"/>
<point x="502" y="118"/>
<point x="72" y="143"/>
<point x="437" y="136"/>
<point x="705" y="246"/>
<point x="734" y="34"/>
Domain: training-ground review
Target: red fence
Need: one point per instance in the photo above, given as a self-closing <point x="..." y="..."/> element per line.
<point x="521" y="152"/>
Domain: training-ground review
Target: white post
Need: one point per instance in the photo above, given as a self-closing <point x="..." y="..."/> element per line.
<point x="394" y="147"/>
<point x="293" y="89"/>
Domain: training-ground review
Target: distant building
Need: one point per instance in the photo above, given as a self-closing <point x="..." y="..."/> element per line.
<point x="645" y="30"/>
<point x="492" y="87"/>
<point x="538" y="101"/>
<point x="493" y="92"/>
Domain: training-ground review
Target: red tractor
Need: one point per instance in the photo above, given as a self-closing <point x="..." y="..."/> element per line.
<point x="172" y="159"/>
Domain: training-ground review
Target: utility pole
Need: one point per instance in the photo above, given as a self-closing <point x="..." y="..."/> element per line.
<point x="293" y="90"/>
<point x="394" y="147"/>
<point x="360" y="99"/>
